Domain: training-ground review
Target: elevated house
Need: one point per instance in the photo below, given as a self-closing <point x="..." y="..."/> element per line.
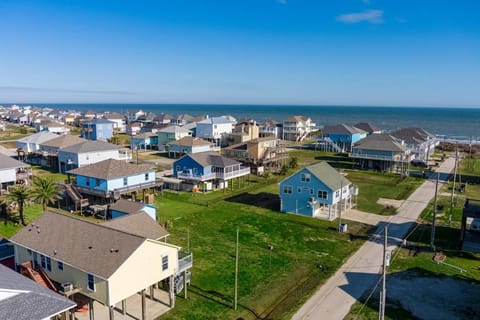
<point x="171" y="133"/>
<point x="133" y="115"/>
<point x="123" y="207"/>
<point x="342" y="136"/>
<point x="317" y="191"/>
<point x="47" y="154"/>
<point x="13" y="172"/>
<point x="144" y="141"/>
<point x="206" y="168"/>
<point x="258" y="153"/>
<point x="97" y="129"/>
<point x="297" y="128"/>
<point x="381" y="152"/>
<point x="420" y="142"/>
<point x="368" y="128"/>
<point x="163" y="119"/>
<point x="188" y="145"/>
<point x="32" y="143"/>
<point x="108" y="180"/>
<point x="89" y="152"/>
<point x="107" y="263"/>
<point x="133" y="128"/>
<point x="244" y="130"/>
<point x="215" y="129"/>
<point x="52" y="126"/>
<point x="271" y="128"/>
<point x="182" y="120"/>
<point x="24" y="299"/>
<point x="118" y="120"/>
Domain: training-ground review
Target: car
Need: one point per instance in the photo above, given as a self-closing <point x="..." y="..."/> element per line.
<point x="418" y="163"/>
<point x="475" y="225"/>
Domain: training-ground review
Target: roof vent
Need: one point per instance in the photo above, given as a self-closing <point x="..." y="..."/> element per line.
<point x="90" y="247"/>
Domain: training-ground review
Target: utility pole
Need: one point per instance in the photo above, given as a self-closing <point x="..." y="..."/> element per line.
<point x="236" y="274"/>
<point x="340" y="212"/>
<point x="383" y="294"/>
<point x="434" y="220"/>
<point x="453" y="187"/>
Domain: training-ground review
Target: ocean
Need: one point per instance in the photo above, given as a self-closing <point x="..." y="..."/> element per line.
<point x="451" y="123"/>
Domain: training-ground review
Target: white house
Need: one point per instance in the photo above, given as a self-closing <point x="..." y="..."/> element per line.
<point x="32" y="143"/>
<point x="118" y="121"/>
<point x="215" y="129"/>
<point x="297" y="128"/>
<point x="88" y="152"/>
<point x="13" y="171"/>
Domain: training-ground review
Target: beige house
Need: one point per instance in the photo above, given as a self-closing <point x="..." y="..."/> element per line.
<point x="245" y="130"/>
<point x="107" y="263"/>
<point x="258" y="153"/>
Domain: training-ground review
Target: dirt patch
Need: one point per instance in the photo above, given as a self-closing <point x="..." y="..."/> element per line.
<point x="435" y="298"/>
<point x="390" y="202"/>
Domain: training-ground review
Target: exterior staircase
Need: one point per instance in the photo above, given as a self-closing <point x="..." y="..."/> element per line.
<point x="75" y="195"/>
<point x="39" y="276"/>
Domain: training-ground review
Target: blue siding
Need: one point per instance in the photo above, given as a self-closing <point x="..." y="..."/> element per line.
<point x="297" y="201"/>
<point x="187" y="164"/>
<point x="100" y="131"/>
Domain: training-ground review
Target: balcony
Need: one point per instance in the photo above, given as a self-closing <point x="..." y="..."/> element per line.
<point x="190" y="176"/>
<point x="185" y="260"/>
<point x="397" y="158"/>
<point x="233" y="174"/>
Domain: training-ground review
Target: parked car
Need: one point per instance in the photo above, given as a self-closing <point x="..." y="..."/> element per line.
<point x="419" y="163"/>
<point x="475" y="225"/>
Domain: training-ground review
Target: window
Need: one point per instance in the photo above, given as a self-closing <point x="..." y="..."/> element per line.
<point x="87" y="181"/>
<point x="164" y="263"/>
<point x="305" y="177"/>
<point x="42" y="261"/>
<point x="299" y="189"/>
<point x="322" y="194"/>
<point x="125" y="181"/>
<point x="337" y="193"/>
<point x="97" y="182"/>
<point x="60" y="265"/>
<point x="195" y="171"/>
<point x="146" y="176"/>
<point x="311" y="191"/>
<point x="49" y="264"/>
<point x="90" y="282"/>
<point x="287" y="189"/>
<point x="178" y="168"/>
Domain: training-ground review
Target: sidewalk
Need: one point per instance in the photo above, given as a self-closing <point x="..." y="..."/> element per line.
<point x="361" y="271"/>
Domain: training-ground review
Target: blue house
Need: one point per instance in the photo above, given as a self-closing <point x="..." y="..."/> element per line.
<point x="344" y="136"/>
<point x="144" y="141"/>
<point x="316" y="191"/>
<point x="208" y="167"/>
<point x="109" y="179"/>
<point x="97" y="129"/>
<point x="124" y="207"/>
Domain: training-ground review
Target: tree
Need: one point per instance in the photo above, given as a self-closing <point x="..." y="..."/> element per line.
<point x="19" y="195"/>
<point x="45" y="191"/>
<point x="293" y="162"/>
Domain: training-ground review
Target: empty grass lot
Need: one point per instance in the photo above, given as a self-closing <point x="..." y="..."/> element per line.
<point x="271" y="283"/>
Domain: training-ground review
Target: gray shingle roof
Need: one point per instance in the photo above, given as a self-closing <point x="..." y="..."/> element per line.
<point x="110" y="168"/>
<point x="328" y="175"/>
<point x="368" y="127"/>
<point x="212" y="159"/>
<point x="8" y="163"/>
<point x="91" y="146"/>
<point x="129" y="207"/>
<point x="342" y="129"/>
<point x="190" y="142"/>
<point x="174" y="129"/>
<point x="99" y="121"/>
<point x="380" y="142"/>
<point x="215" y="120"/>
<point x="140" y="224"/>
<point x="92" y="247"/>
<point x="39" y="137"/>
<point x="413" y="135"/>
<point x="32" y="300"/>
<point x="62" y="141"/>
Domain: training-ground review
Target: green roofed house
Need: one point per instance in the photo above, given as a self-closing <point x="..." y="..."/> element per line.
<point x="317" y="191"/>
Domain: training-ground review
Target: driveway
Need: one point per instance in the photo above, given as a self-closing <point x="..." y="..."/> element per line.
<point x="363" y="269"/>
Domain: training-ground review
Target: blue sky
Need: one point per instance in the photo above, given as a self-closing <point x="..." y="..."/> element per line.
<point x="320" y="52"/>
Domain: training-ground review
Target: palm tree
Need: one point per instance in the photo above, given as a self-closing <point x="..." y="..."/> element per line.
<point x="45" y="191"/>
<point x="19" y="195"/>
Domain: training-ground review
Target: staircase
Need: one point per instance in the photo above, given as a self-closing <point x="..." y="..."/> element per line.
<point x="332" y="144"/>
<point x="76" y="197"/>
<point x="39" y="276"/>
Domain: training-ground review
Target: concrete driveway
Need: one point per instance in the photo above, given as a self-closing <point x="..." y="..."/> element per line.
<point x="363" y="269"/>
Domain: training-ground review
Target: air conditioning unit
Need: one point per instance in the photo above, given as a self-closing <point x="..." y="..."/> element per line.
<point x="66" y="287"/>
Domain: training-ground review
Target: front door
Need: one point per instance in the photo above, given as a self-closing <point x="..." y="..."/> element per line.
<point x="35" y="260"/>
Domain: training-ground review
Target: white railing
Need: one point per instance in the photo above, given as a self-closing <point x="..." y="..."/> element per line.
<point x="377" y="157"/>
<point x="237" y="173"/>
<point x="216" y="175"/>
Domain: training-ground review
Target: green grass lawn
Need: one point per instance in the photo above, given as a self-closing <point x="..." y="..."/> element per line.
<point x="9" y="228"/>
<point x="42" y="172"/>
<point x="373" y="186"/>
<point x="271" y="283"/>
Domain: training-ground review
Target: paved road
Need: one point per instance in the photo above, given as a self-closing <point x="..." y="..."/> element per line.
<point x="362" y="270"/>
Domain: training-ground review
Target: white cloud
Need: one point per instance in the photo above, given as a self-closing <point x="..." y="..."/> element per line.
<point x="371" y="16"/>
